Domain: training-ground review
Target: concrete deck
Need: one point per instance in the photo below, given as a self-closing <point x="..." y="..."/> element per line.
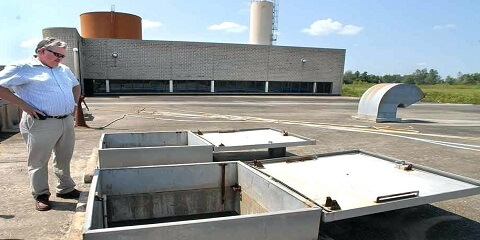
<point x="441" y="136"/>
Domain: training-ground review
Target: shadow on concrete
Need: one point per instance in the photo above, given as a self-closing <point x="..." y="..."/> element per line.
<point x="109" y="128"/>
<point x="6" y="135"/>
<point x="7" y="216"/>
<point x="244" y="156"/>
<point x="415" y="121"/>
<point x="415" y="223"/>
<point x="64" y="206"/>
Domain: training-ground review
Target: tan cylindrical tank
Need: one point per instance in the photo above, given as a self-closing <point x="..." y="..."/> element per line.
<point x="110" y="25"/>
<point x="261" y="20"/>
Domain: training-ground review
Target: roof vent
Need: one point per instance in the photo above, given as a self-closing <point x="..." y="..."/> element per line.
<point x="381" y="101"/>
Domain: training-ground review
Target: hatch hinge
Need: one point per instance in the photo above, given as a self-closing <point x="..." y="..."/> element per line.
<point x="332" y="204"/>
<point x="237" y="188"/>
<point x="257" y="164"/>
<point x="300" y="159"/>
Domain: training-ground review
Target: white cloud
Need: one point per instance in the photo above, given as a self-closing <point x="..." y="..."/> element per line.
<point x="350" y="30"/>
<point x="421" y="64"/>
<point x="150" y="24"/>
<point x="446" y="26"/>
<point x="228" y="27"/>
<point x="30" y="43"/>
<point x="328" y="26"/>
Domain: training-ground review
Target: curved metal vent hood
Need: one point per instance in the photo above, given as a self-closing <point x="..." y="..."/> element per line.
<point x="381" y="101"/>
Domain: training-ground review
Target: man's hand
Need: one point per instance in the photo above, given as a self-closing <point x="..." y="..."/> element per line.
<point x="31" y="110"/>
<point x="6" y="94"/>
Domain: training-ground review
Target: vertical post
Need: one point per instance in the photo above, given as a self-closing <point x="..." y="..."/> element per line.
<point x="212" y="86"/>
<point x="170" y="83"/>
<point x="107" y="86"/>
<point x="266" y="86"/>
<point x="76" y="63"/>
<point x="76" y="68"/>
<point x="222" y="165"/>
<point x="314" y="87"/>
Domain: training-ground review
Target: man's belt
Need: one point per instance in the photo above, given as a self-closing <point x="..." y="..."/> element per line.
<point x="40" y="117"/>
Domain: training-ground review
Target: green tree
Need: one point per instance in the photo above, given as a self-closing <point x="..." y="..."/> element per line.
<point x="396" y="78"/>
<point x="469" y="78"/>
<point x="357" y="74"/>
<point x="374" y="78"/>
<point x="364" y="77"/>
<point x="349" y="77"/>
<point x="409" y="79"/>
<point x="450" y="80"/>
<point x="432" y="77"/>
<point x="419" y="76"/>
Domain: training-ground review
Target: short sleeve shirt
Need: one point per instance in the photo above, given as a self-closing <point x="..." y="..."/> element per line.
<point x="46" y="89"/>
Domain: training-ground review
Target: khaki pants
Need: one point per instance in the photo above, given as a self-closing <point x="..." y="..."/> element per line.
<point x="41" y="137"/>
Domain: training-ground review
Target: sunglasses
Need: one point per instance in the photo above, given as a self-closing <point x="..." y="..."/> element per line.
<point x="58" y="55"/>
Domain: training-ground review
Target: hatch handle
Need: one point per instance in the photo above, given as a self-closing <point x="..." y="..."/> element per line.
<point x="397" y="196"/>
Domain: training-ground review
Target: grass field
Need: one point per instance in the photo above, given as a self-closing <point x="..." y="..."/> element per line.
<point x="441" y="93"/>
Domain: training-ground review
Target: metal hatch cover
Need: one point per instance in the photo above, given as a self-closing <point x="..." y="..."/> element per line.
<point x="360" y="183"/>
<point x="245" y="139"/>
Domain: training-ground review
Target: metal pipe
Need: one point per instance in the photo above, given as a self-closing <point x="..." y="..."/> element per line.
<point x="223" y="184"/>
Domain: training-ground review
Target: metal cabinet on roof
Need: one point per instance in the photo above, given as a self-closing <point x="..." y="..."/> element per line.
<point x="226" y="200"/>
<point x="356" y="183"/>
<point x="161" y="148"/>
<point x="283" y="198"/>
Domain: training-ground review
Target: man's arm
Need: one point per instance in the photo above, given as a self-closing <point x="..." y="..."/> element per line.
<point x="6" y="94"/>
<point x="76" y="93"/>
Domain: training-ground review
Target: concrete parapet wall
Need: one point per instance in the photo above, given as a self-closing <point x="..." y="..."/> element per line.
<point x="10" y="116"/>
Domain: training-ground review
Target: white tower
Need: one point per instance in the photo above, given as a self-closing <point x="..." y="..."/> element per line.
<point x="262" y="22"/>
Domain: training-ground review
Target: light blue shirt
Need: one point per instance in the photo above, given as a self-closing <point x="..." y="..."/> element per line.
<point x="46" y="89"/>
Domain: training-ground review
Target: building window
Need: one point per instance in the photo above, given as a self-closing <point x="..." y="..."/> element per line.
<point x="191" y="86"/>
<point x="324" y="87"/>
<point x="239" y="86"/>
<point x="290" y="87"/>
<point x="99" y="86"/>
<point x="138" y="86"/>
<point x="158" y="86"/>
<point x="118" y="86"/>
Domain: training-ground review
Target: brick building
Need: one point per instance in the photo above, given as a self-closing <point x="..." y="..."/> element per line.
<point x="126" y="66"/>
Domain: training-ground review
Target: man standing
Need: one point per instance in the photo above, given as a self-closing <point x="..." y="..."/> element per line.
<point x="47" y="92"/>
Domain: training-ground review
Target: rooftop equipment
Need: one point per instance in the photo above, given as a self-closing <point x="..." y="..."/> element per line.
<point x="160" y="148"/>
<point x="284" y="198"/>
<point x="227" y="200"/>
<point x="380" y="102"/>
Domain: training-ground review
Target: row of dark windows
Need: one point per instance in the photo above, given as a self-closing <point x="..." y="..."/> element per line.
<point x="162" y="86"/>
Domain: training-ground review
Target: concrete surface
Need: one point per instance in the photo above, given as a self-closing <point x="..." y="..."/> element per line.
<point x="441" y="136"/>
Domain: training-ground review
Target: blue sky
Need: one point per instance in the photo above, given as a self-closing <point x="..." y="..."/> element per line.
<point x="381" y="37"/>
